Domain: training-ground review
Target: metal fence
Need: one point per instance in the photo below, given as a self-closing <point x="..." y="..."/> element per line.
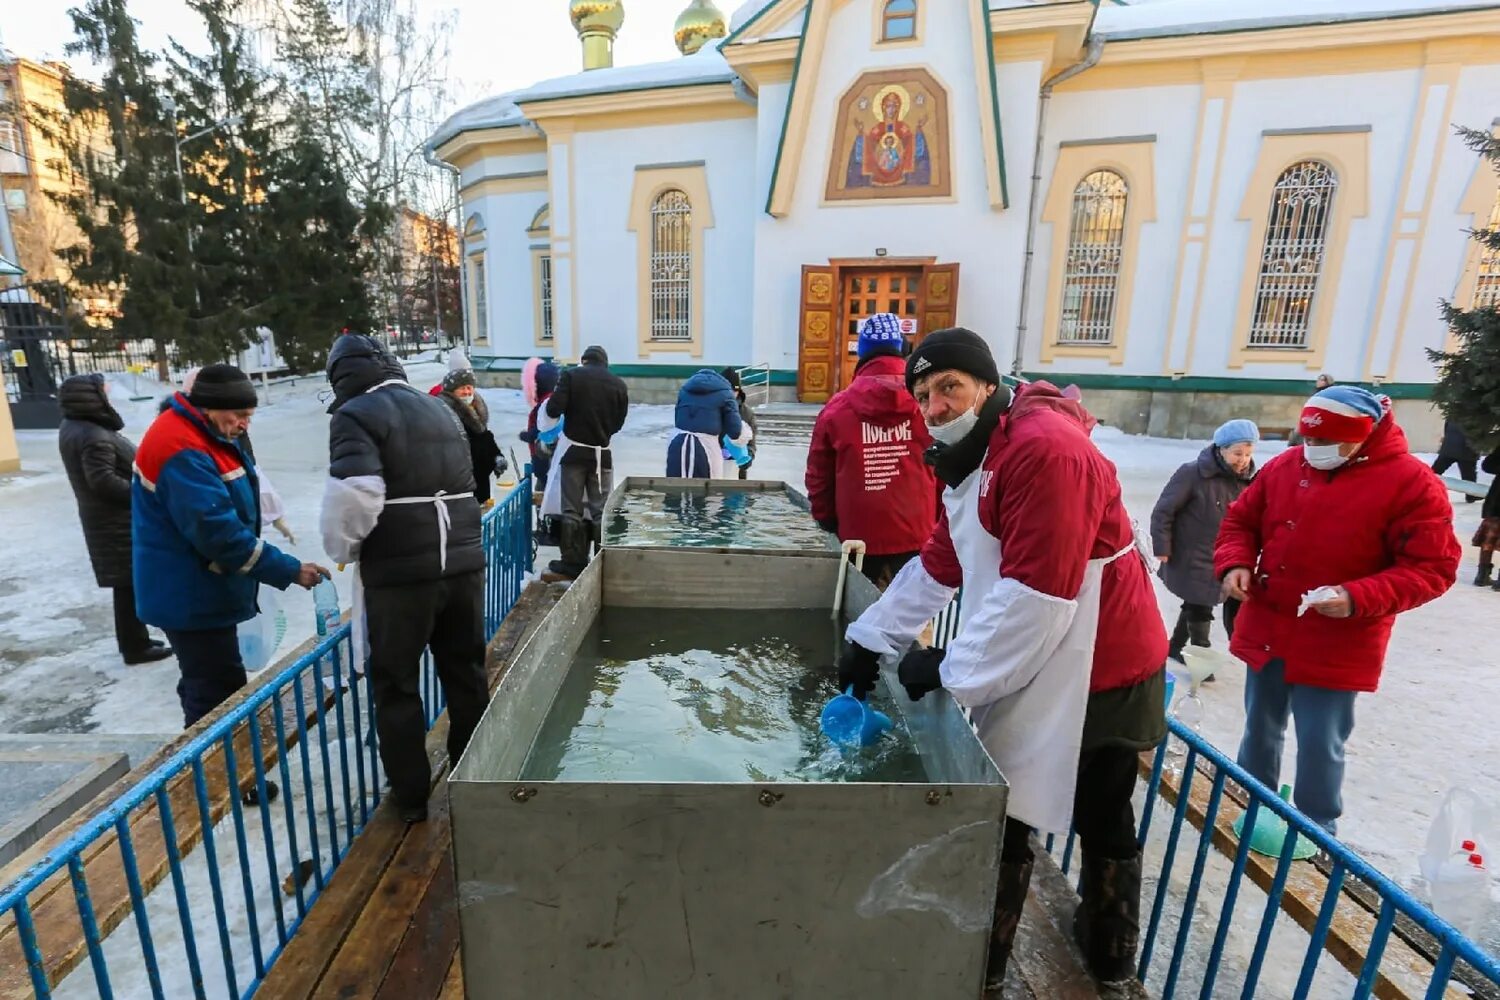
<point x="310" y="727"/>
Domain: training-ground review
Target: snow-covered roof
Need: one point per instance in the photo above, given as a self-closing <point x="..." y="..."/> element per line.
<point x="745" y="12"/>
<point x="492" y="112"/>
<point x="1164" y="18"/>
<point x="704" y="66"/>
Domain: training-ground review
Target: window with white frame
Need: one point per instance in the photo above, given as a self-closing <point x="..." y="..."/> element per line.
<point x="1091" y="275"/>
<point x="1292" y="259"/>
<point x="1487" y="282"/>
<point x="544" y="293"/>
<point x="672" y="267"/>
<point x="899" y="20"/>
<point x="481" y="296"/>
<point x="12" y="153"/>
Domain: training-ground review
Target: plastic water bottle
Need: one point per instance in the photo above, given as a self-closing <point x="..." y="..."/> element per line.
<point x="326" y="606"/>
<point x="1461" y="891"/>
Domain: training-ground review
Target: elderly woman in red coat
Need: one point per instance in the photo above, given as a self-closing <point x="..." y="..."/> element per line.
<point x="1362" y="529"/>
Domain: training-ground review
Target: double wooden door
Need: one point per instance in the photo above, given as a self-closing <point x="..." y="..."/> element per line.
<point x="837" y="298"/>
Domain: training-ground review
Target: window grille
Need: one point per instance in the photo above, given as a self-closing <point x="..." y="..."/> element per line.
<point x="1293" y="256"/>
<point x="1487" y="284"/>
<point x="672" y="267"/>
<point x="900" y="20"/>
<point x="544" y="293"/>
<point x="1091" y="275"/>
<point x="481" y="297"/>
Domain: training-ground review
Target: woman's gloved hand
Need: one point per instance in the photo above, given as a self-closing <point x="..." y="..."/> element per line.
<point x="501" y="465"/>
<point x="859" y="668"/>
<point x="919" y="672"/>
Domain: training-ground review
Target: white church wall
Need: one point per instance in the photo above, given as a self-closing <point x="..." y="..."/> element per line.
<point x="1170" y="114"/>
<point x="606" y="250"/>
<point x="502" y="166"/>
<point x="508" y="272"/>
<point x="770" y="281"/>
<point x="986" y="243"/>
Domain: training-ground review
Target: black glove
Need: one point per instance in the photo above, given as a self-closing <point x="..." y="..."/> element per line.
<point x="919" y="674"/>
<point x="859" y="668"/>
<point x="501" y="465"/>
<point x="831" y="526"/>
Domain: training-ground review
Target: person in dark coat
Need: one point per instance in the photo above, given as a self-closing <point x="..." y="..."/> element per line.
<point x="1456" y="450"/>
<point x="98" y="460"/>
<point x="400" y="502"/>
<point x="1185" y="524"/>
<point x="707" y="418"/>
<point x="197" y="558"/>
<point x="473" y="413"/>
<point x="592" y="403"/>
<point x="1487" y="538"/>
<point x="747" y="416"/>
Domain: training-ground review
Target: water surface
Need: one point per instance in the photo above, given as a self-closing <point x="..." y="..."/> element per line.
<point x="708" y="696"/>
<point x="739" y="519"/>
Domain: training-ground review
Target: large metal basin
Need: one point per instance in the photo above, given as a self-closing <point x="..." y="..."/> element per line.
<point x="741" y="889"/>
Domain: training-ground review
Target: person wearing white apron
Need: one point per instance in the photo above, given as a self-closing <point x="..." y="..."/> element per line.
<point x="1060" y="649"/>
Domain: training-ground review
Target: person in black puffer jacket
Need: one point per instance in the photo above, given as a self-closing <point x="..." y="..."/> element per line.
<point x="593" y="402"/>
<point x="98" y="460"/>
<point x="400" y="501"/>
<point x="473" y="413"/>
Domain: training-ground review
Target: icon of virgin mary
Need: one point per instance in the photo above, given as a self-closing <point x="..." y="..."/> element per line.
<point x="890" y="153"/>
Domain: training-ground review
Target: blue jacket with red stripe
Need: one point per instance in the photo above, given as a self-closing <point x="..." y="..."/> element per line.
<point x="198" y="558"/>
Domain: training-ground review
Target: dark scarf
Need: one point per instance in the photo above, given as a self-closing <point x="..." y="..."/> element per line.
<point x="955" y="463"/>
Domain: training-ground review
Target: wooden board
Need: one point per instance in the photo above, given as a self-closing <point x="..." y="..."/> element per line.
<point x="1403" y="972"/>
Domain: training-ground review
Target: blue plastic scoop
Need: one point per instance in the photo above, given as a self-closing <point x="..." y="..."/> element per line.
<point x="851" y="723"/>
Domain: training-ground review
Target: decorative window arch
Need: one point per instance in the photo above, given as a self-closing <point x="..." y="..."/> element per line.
<point x="1293" y="255"/>
<point x="672" y="267"/>
<point x="1094" y="257"/>
<point x="1487" y="271"/>
<point x="898" y="21"/>
<point x="474" y="227"/>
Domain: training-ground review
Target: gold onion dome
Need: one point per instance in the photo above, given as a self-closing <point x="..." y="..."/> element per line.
<point x="597" y="15"/>
<point x="696" y="25"/>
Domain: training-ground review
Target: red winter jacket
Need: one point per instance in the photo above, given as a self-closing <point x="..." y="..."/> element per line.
<point x="1380" y="526"/>
<point x="1054" y="503"/>
<point x="865" y="467"/>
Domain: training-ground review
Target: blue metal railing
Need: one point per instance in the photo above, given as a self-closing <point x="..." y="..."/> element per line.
<point x="1182" y="902"/>
<point x="313" y="724"/>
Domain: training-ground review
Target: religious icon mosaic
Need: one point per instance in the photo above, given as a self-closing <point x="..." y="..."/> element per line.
<point x="891" y="139"/>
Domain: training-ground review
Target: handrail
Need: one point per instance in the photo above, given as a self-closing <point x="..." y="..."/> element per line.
<point x="756" y="376"/>
<point x="343" y="729"/>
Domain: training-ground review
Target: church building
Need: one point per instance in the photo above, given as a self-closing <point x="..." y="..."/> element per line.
<point x="1188" y="208"/>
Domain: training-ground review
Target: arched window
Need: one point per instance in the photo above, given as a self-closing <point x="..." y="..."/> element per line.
<point x="474" y="227"/>
<point x="1091" y="275"/>
<point x="900" y="20"/>
<point x="672" y="267"/>
<point x="1487" y="283"/>
<point x="1291" y="261"/>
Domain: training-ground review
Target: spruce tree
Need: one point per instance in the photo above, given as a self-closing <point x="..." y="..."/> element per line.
<point x="1468" y="386"/>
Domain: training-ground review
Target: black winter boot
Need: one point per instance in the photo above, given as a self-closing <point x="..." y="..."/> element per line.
<point x="1010" y="898"/>
<point x="1198" y="633"/>
<point x="596" y="537"/>
<point x="575" y="549"/>
<point x="1483" y="579"/>
<point x="1107" y="923"/>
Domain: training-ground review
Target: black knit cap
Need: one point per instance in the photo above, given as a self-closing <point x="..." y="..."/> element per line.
<point x="459" y="379"/>
<point x="223" y="387"/>
<point x="953" y="349"/>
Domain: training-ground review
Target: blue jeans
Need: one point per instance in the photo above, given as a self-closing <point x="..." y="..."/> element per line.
<point x="1324" y="720"/>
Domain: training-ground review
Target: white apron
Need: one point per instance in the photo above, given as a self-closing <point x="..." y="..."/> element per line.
<point x="552" y="495"/>
<point x="1035" y="734"/>
<point x="683" y="441"/>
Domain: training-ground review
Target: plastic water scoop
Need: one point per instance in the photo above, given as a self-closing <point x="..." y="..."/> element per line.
<point x="850" y="723"/>
<point x="1270" y="833"/>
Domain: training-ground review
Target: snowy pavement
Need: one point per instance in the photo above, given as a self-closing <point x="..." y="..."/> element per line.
<point x="1430" y="724"/>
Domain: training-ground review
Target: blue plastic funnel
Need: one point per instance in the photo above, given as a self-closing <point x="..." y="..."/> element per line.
<point x="850" y="723"/>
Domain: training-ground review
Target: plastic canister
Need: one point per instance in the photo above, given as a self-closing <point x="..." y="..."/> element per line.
<point x="1461" y="891"/>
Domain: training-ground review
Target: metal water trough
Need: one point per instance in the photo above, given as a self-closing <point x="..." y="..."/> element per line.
<point x="742" y="889"/>
<point x="704" y="487"/>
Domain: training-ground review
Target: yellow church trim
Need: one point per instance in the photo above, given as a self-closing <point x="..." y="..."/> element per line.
<point x="1053" y="34"/>
<point x="763" y="63"/>
<point x="535" y="180"/>
<point x="1135" y="162"/>
<point x="799" y="109"/>
<point x="1348" y="153"/>
<point x="639" y="108"/>
<point x="649" y="184"/>
<point x="511" y="140"/>
<point x="1444" y="72"/>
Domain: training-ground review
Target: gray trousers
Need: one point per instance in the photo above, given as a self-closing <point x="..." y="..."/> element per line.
<point x="1323" y="718"/>
<point x="584" y="490"/>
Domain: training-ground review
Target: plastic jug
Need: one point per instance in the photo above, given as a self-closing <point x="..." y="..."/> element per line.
<point x="1463" y="818"/>
<point x="1461" y="891"/>
<point x="851" y="723"/>
<point x="326" y="606"/>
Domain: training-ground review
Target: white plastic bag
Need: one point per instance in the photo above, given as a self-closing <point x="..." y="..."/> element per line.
<point x="1463" y="816"/>
<point x="260" y="636"/>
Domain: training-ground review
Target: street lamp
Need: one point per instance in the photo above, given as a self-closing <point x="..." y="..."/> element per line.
<point x="178" y="142"/>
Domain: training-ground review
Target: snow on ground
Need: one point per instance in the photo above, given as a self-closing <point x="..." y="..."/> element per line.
<point x="1428" y="727"/>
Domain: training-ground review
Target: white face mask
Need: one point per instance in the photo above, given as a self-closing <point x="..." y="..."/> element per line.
<point x="956" y="429"/>
<point x="466" y="400"/>
<point x="1323" y="456"/>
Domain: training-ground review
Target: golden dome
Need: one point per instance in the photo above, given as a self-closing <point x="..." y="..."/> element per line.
<point x="696" y="25"/>
<point x="604" y="16"/>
